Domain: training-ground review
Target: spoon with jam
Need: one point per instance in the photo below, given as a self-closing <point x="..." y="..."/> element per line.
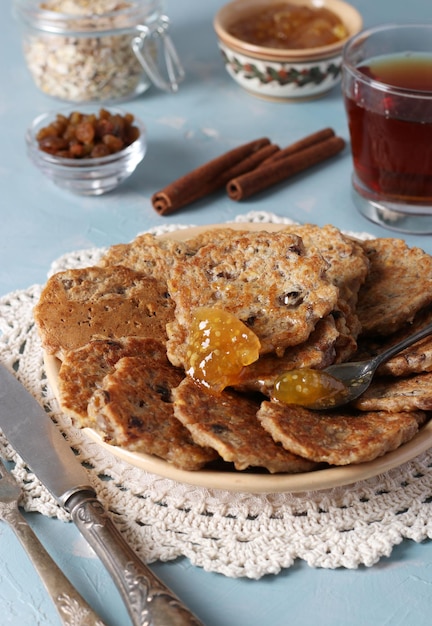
<point x="338" y="384"/>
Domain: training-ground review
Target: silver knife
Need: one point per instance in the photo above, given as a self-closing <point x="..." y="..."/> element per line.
<point x="36" y="439"/>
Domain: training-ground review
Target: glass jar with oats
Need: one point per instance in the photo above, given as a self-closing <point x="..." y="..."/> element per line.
<point x="98" y="50"/>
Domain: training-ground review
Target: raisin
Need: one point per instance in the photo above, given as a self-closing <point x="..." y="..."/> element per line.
<point x="53" y="144"/>
<point x="115" y="144"/>
<point x="85" y="132"/>
<point x="100" y="150"/>
<point x="291" y="299"/>
<point x="77" y="150"/>
<point x="80" y="135"/>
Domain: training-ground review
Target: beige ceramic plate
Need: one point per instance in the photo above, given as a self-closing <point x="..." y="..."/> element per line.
<point x="250" y="482"/>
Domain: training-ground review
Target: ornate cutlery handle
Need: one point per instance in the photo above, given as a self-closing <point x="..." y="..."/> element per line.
<point x="71" y="607"/>
<point x="148" y="600"/>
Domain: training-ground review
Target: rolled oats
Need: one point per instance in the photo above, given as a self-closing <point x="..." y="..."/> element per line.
<point x="84" y="7"/>
<point x="88" y="55"/>
<point x="83" y="69"/>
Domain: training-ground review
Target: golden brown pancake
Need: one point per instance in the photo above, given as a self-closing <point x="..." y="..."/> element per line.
<point x="228" y="424"/>
<point x="133" y="408"/>
<point x="398" y="394"/>
<point x="317" y="352"/>
<point x="338" y="437"/>
<point x="398" y="285"/>
<point x="147" y="254"/>
<point x="79" y="305"/>
<point x="267" y="280"/>
<point x="83" y="370"/>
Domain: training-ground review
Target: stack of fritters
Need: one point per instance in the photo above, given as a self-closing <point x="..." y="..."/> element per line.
<point x="312" y="295"/>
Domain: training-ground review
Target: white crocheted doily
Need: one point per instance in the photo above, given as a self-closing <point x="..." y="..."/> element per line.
<point x="234" y="534"/>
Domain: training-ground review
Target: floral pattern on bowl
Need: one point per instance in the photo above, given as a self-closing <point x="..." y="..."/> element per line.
<point x="285" y="81"/>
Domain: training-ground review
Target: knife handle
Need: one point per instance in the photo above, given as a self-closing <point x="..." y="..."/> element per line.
<point x="148" y="601"/>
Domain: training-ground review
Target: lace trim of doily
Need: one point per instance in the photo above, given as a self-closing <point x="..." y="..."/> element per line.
<point x="231" y="533"/>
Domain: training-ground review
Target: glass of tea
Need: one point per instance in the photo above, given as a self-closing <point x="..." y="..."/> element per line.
<point x="387" y="88"/>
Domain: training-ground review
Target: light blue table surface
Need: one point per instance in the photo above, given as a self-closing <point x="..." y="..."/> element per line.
<point x="40" y="222"/>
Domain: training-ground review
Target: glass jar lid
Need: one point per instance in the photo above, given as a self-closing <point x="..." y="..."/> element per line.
<point x="86" y="16"/>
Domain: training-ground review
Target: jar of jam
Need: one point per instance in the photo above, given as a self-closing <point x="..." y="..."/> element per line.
<point x="97" y="50"/>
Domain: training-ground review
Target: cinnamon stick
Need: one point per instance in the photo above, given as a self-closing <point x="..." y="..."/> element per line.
<point x="277" y="170"/>
<point x="306" y="142"/>
<point x="250" y="163"/>
<point x="205" y="179"/>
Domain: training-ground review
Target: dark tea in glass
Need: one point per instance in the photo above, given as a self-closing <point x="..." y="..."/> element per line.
<point x="387" y="86"/>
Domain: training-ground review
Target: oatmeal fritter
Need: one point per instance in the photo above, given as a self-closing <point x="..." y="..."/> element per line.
<point x="83" y="370"/>
<point x="398" y="285"/>
<point x="318" y="351"/>
<point x="79" y="305"/>
<point x="150" y="255"/>
<point x="398" y="394"/>
<point x="228" y="424"/>
<point x="133" y="408"/>
<point x="269" y="281"/>
<point x="337" y="437"/>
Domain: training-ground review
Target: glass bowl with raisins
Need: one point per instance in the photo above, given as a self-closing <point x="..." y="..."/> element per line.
<point x="88" y="151"/>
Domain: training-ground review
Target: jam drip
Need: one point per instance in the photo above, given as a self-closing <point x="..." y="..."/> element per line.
<point x="219" y="347"/>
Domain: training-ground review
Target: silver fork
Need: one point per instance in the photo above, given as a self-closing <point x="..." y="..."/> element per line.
<point x="71" y="607"/>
